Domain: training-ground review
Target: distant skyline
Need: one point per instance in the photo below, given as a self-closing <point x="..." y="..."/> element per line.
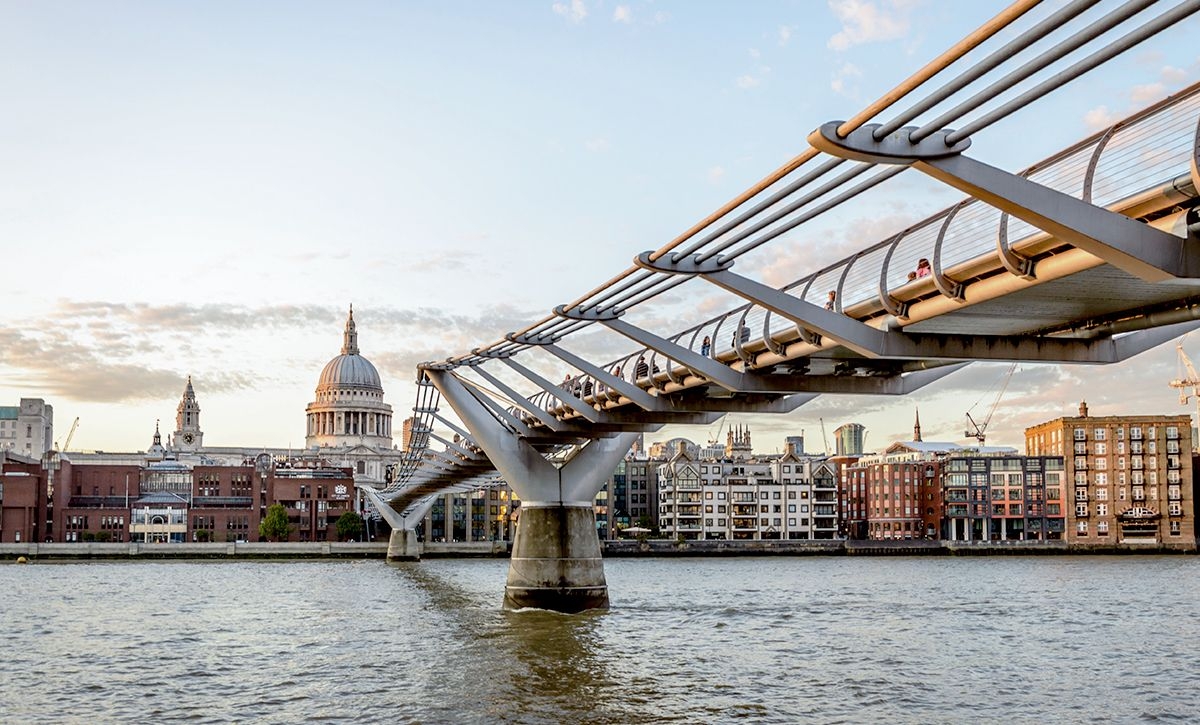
<point x="204" y="189"/>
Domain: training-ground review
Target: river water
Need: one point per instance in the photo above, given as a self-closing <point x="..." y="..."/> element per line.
<point x="812" y="639"/>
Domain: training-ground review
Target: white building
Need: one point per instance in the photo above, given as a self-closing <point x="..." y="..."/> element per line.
<point x="27" y="428"/>
<point x="770" y="497"/>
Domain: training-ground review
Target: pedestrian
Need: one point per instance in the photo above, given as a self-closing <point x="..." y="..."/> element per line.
<point x="923" y="268"/>
<point x="829" y="303"/>
<point x="706" y="346"/>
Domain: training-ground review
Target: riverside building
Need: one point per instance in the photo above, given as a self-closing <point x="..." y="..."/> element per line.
<point x="1129" y="477"/>
<point x="1002" y="497"/>
<point x="24" y="508"/>
<point x="170" y="501"/>
<point x="786" y="496"/>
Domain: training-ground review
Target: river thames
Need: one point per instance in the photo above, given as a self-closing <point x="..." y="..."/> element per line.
<point x="812" y="639"/>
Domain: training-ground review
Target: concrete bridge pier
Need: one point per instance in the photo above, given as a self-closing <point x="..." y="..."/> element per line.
<point x="556" y="562"/>
<point x="403" y="546"/>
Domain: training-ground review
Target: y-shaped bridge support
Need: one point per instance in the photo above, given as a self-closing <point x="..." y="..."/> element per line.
<point x="556" y="561"/>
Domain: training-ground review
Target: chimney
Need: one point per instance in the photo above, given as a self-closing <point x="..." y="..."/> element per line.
<point x="1083" y="409"/>
<point x="789" y="449"/>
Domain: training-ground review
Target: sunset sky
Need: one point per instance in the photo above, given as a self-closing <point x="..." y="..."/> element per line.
<point x="204" y="188"/>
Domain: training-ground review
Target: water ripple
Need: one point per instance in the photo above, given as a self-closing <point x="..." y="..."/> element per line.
<point x="772" y="640"/>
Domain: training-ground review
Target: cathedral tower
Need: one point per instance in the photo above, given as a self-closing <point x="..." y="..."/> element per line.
<point x="188" y="436"/>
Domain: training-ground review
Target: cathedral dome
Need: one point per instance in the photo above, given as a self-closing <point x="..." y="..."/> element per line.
<point x="349" y="409"/>
<point x="350" y="370"/>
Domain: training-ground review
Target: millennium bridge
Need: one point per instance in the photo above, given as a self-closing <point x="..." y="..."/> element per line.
<point x="1088" y="257"/>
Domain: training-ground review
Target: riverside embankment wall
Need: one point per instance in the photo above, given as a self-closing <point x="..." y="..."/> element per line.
<point x="611" y="549"/>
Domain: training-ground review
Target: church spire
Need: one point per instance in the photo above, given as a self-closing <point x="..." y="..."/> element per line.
<point x="350" y="339"/>
<point x="157" y="435"/>
<point x="917" y="427"/>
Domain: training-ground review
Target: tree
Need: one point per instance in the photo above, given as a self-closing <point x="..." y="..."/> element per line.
<point x="275" y="524"/>
<point x="349" y="526"/>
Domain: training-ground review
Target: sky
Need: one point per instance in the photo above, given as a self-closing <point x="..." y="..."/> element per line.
<point x="204" y="188"/>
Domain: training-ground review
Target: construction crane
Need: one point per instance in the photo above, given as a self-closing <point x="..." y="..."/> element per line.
<point x="717" y="439"/>
<point x="1191" y="381"/>
<point x="70" y="434"/>
<point x="824" y="438"/>
<point x="980" y="429"/>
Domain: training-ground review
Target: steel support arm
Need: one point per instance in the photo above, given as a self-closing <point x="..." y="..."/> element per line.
<point x="640" y="398"/>
<point x="451" y="425"/>
<point x="451" y="444"/>
<point x="715" y="371"/>
<point x="846" y="331"/>
<point x="1139" y="249"/>
<point x="565" y="396"/>
<point x="502" y="415"/>
<point x="547" y="420"/>
<point x="515" y="459"/>
<point x="895" y="345"/>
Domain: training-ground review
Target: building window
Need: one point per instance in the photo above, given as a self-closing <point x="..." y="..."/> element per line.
<point x="1081" y="528"/>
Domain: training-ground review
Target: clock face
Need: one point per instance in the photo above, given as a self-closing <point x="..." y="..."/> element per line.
<point x="188" y="438"/>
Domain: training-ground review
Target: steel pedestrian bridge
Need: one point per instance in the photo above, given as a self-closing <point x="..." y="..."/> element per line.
<point x="1090" y="256"/>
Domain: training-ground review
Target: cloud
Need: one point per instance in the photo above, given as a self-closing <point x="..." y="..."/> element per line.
<point x="785" y="34"/>
<point x="846" y="71"/>
<point x="95" y="351"/>
<point x="1174" y="76"/>
<point x="1099" y="117"/>
<point x="1148" y="92"/>
<point x="622" y="14"/>
<point x="108" y="370"/>
<point x="755" y="53"/>
<point x="596" y="145"/>
<point x="868" y="22"/>
<point x="748" y="81"/>
<point x="715" y="174"/>
<point x="575" y="11"/>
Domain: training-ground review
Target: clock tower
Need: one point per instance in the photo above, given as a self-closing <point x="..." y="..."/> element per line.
<point x="188" y="436"/>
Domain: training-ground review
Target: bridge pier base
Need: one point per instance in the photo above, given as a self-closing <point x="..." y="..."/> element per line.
<point x="556" y="562"/>
<point x="403" y="546"/>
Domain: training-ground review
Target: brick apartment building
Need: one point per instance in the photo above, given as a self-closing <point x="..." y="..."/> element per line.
<point x="1129" y="477"/>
